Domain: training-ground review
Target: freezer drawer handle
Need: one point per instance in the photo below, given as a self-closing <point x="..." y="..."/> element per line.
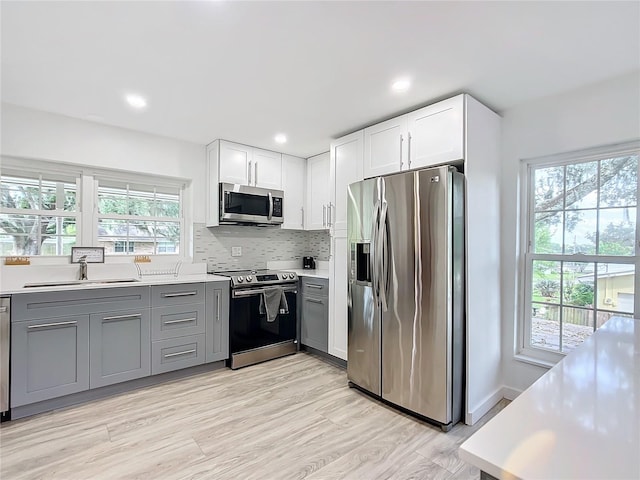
<point x="182" y="320"/>
<point x="169" y="355"/>
<point x="181" y="294"/>
<point x="57" y="324"/>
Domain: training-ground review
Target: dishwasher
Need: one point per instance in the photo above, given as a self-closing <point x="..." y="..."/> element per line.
<point x="5" y="315"/>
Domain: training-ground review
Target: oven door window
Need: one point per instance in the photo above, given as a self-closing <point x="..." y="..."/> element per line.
<point x="246" y="204"/>
<point x="249" y="329"/>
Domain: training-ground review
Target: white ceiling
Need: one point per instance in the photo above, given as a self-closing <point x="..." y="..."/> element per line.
<point x="245" y="71"/>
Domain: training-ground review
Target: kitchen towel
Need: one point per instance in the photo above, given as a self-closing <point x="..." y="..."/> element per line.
<point x="272" y="302"/>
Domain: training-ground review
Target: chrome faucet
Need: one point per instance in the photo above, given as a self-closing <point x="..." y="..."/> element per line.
<point x="83" y="267"/>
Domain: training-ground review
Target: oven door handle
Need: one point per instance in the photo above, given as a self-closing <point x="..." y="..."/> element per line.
<point x="257" y="291"/>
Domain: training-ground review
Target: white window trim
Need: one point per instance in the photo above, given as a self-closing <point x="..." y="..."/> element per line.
<point x="86" y="201"/>
<point x="522" y="351"/>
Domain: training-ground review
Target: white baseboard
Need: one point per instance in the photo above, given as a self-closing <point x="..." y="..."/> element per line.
<point x="510" y="393"/>
<point x="478" y="412"/>
<point x="489" y="402"/>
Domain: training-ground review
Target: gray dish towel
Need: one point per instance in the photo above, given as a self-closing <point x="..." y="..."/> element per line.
<point x="272" y="302"/>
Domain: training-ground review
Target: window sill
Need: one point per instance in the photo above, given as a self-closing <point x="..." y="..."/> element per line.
<point x="520" y="357"/>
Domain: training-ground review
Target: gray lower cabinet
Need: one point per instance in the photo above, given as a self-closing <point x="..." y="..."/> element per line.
<point x="119" y="343"/>
<point x="49" y="358"/>
<point x="217" y="332"/>
<point x="176" y="353"/>
<point x="314" y="313"/>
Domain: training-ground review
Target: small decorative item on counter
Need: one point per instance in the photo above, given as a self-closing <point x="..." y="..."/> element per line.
<point x="17" y="261"/>
<point x="142" y="259"/>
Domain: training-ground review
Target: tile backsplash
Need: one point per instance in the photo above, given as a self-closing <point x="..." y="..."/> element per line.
<point x="259" y="245"/>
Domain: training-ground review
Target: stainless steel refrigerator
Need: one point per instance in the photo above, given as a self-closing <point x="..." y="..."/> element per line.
<point x="406" y="291"/>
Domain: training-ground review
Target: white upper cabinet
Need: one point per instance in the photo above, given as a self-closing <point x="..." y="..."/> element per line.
<point x="267" y="169"/>
<point x="432" y="135"/>
<point x="294" y="170"/>
<point x="317" y="214"/>
<point x="247" y="165"/>
<point x="235" y="163"/>
<point x="436" y="133"/>
<point x="385" y="147"/>
<point x="345" y="168"/>
<point x="338" y="307"/>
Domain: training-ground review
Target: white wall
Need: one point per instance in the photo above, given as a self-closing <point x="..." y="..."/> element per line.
<point x="596" y="115"/>
<point x="46" y="136"/>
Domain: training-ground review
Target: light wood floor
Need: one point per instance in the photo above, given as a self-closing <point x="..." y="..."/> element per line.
<point x="289" y="418"/>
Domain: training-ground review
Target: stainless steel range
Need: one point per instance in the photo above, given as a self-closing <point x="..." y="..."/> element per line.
<point x="262" y="315"/>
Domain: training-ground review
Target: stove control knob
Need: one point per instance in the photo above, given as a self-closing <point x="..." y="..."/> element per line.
<point x="249" y="278"/>
<point x="240" y="279"/>
<point x="284" y="276"/>
<point x="292" y="276"/>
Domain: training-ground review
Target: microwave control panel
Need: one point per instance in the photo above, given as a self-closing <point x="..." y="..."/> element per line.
<point x="277" y="206"/>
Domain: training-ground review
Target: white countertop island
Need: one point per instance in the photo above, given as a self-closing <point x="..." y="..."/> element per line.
<point x="581" y="420"/>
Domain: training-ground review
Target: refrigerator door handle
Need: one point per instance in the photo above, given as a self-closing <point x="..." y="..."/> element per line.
<point x="373" y="257"/>
<point x="383" y="255"/>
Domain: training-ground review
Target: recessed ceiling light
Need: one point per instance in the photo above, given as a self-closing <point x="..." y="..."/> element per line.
<point x="401" y="85"/>
<point x="281" y="138"/>
<point x="136" y="101"/>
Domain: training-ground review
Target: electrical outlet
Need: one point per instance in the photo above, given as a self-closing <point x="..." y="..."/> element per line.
<point x="236" y="251"/>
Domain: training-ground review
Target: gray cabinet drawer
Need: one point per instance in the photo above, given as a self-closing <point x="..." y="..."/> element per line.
<point x="177" y="321"/>
<point x="30" y="306"/>
<point x="49" y="358"/>
<point x="177" y="294"/>
<point x="315" y="286"/>
<point x="176" y="353"/>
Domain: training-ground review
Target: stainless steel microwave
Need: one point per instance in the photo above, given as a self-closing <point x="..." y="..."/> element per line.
<point x="241" y="204"/>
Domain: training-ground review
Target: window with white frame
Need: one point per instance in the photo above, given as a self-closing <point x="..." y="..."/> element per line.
<point x="138" y="219"/>
<point x="582" y="247"/>
<point x="128" y="213"/>
<point x="38" y="214"/>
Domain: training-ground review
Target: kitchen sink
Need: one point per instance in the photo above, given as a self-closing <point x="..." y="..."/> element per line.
<point x="81" y="282"/>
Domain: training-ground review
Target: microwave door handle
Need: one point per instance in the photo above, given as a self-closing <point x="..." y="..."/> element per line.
<point x="270" y="206"/>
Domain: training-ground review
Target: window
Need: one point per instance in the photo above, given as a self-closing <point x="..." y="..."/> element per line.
<point x="582" y="253"/>
<point x="138" y="219"/>
<point x="42" y="213"/>
<point x="38" y="214"/>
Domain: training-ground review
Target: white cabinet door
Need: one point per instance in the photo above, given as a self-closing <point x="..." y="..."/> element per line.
<point x="293" y="182"/>
<point x="338" y="296"/>
<point x="267" y="169"/>
<point x="436" y="133"/>
<point x="385" y="147"/>
<point x="317" y="192"/>
<point x="212" y="200"/>
<point x="235" y="163"/>
<point x="346" y="167"/>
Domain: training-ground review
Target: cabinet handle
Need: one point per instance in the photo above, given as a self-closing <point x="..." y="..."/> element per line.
<point x="302" y="216"/>
<point x="401" y="140"/>
<point x="329" y="215"/>
<point x="57" y="324"/>
<point x="409" y="149"/>
<point x="249" y="172"/>
<point x="255" y="171"/>
<point x="313" y="285"/>
<point x="182" y="320"/>
<point x="181" y="294"/>
<point x="324" y="215"/>
<point x="169" y="355"/>
<point x="3" y="309"/>
<point x="313" y="300"/>
<point x="217" y="307"/>
<point x="122" y="317"/>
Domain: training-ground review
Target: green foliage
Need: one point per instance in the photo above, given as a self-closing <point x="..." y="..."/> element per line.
<point x="547" y="288"/>
<point x="578" y="294"/>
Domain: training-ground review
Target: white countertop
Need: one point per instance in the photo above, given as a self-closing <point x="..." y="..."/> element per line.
<point x="581" y="420"/>
<point x="301" y="272"/>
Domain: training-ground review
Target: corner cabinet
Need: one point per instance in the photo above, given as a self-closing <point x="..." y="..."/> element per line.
<point x="432" y="135"/>
<point x="294" y="175"/>
<point x="318" y="216"/>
